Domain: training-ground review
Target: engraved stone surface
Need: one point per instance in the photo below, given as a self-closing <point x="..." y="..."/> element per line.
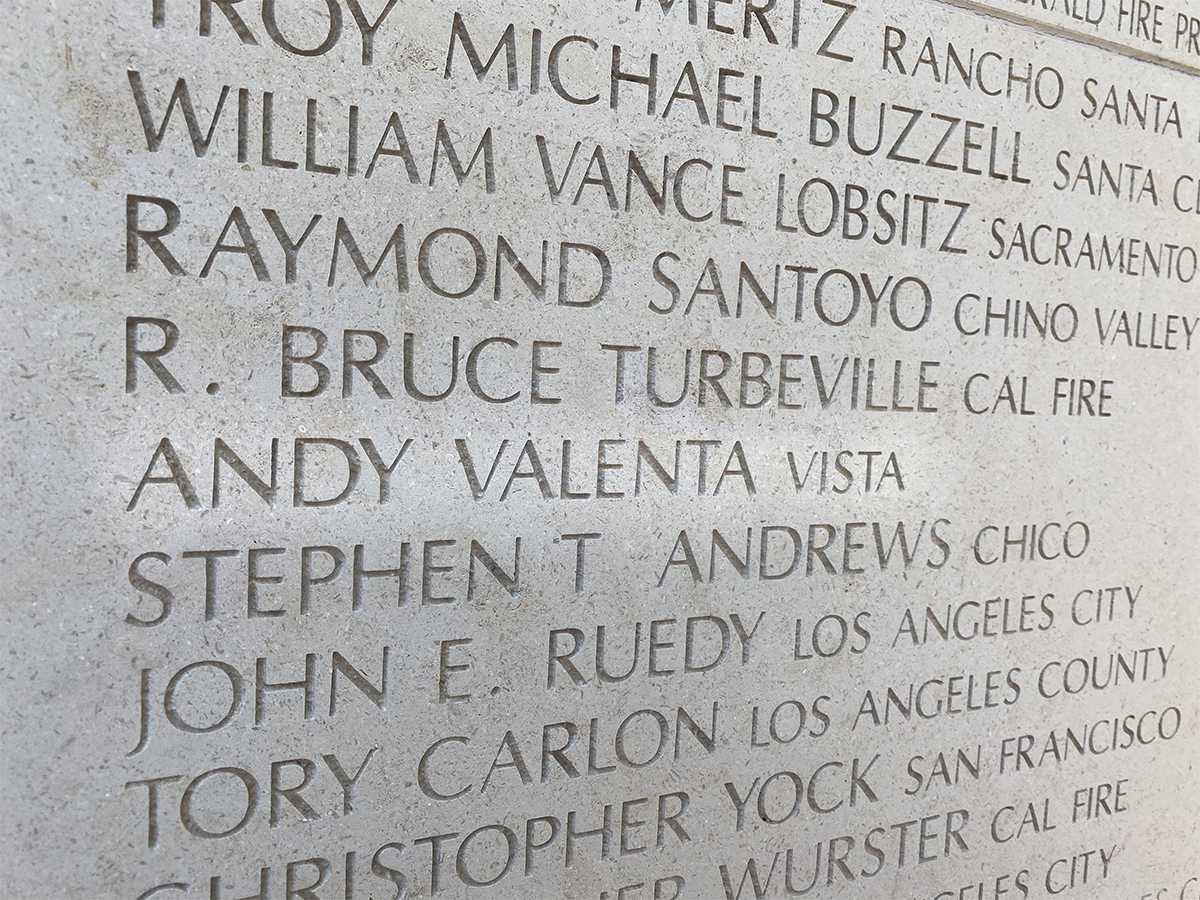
<point x="635" y="450"/>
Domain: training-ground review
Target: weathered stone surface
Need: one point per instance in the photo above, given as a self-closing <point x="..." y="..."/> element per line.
<point x="600" y="450"/>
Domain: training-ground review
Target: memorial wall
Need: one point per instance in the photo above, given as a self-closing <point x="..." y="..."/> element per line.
<point x="626" y="450"/>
